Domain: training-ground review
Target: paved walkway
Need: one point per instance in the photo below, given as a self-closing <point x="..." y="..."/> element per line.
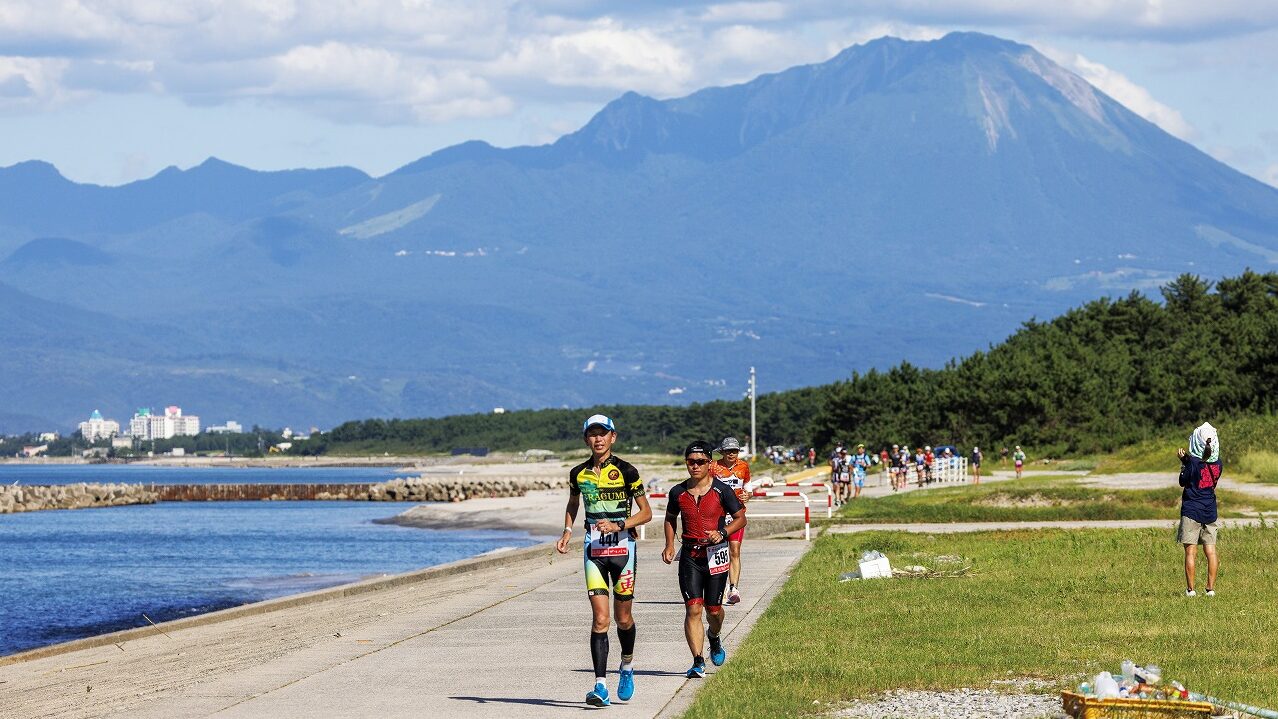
<point x="950" y="527"/>
<point x="498" y="642"/>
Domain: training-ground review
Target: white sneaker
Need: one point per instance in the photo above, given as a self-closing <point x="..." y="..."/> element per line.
<point x="1190" y="593"/>
<point x="1211" y="592"/>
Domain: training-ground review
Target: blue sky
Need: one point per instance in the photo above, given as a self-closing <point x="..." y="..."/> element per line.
<point x="115" y="90"/>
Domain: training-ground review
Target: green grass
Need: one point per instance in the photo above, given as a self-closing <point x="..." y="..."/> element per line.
<point x="1261" y="465"/>
<point x="1041" y="498"/>
<point x="1057" y="605"/>
<point x="1238" y="437"/>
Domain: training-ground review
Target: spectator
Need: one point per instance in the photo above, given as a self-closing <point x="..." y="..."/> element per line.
<point x="1018" y="458"/>
<point x="1199" y="475"/>
<point x="976" y="465"/>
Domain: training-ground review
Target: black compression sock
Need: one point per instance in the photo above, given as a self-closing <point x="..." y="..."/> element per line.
<point x="599" y="652"/>
<point x="627" y="639"/>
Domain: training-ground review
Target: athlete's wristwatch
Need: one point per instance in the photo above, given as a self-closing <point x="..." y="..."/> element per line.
<point x="568" y="530"/>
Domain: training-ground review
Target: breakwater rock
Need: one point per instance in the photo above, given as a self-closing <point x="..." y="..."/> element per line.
<point x="72" y="496"/>
<point x="451" y="489"/>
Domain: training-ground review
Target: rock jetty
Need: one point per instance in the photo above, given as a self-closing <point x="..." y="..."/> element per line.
<point x="448" y="489"/>
<point x="72" y="496"/>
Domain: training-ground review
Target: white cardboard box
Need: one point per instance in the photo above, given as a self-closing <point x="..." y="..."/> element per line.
<point x="876" y="569"/>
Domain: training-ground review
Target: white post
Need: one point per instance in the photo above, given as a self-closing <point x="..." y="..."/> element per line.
<point x="753" y="431"/>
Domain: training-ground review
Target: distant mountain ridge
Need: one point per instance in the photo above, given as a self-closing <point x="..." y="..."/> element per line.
<point x="902" y="200"/>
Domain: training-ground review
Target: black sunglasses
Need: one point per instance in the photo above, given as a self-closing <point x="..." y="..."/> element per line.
<point x="697" y="462"/>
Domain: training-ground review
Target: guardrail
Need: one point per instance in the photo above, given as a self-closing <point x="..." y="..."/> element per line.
<point x="807" y="508"/>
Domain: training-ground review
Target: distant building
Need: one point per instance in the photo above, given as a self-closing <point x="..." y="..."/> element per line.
<point x="48" y="436"/>
<point x="122" y="442"/>
<point x="287" y="433"/>
<point x="499" y="410"/>
<point x="231" y="427"/>
<point x="35" y="451"/>
<point x="97" y="428"/>
<point x="146" y="425"/>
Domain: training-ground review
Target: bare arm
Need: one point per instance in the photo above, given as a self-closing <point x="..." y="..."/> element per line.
<point x="570" y="518"/>
<point x="667" y="555"/>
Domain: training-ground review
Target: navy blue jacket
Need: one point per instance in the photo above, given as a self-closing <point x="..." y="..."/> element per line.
<point x="1199" y="479"/>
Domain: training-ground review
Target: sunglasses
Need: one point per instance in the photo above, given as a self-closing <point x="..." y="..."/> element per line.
<point x="697" y="462"/>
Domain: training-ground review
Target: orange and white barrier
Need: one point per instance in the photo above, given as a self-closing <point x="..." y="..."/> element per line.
<point x="807" y="509"/>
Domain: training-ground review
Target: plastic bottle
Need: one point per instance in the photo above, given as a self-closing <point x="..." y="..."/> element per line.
<point x="1085" y="689"/>
<point x="1152" y="674"/>
<point x="1124" y="692"/>
<point x="1106" y="687"/>
<point x="1181" y="691"/>
<point x="1129" y="670"/>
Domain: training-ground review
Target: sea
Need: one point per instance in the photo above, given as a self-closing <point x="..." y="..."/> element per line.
<point x="67" y="574"/>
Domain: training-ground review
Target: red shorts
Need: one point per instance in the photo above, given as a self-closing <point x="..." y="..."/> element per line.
<point x="737" y="536"/>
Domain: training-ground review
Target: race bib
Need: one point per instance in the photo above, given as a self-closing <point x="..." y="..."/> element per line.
<point x="717" y="557"/>
<point x="607" y="544"/>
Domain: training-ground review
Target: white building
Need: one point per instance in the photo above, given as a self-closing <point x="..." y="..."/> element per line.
<point x="97" y="428"/>
<point x="146" y="425"/>
<point x="231" y="427"/>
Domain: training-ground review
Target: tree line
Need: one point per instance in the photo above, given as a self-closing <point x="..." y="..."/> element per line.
<point x="1101" y="376"/>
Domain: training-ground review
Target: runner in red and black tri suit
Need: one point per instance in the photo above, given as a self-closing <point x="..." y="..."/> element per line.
<point x="703" y="505"/>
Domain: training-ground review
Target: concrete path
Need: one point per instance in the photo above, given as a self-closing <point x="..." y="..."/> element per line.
<point x="1162" y="480"/>
<point x="503" y="641"/>
<point x="949" y="527"/>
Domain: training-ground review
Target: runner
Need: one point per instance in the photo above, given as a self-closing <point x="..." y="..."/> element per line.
<point x="920" y="465"/>
<point x="609" y="484"/>
<point x="734" y="472"/>
<point x="702" y="503"/>
<point x="860" y="463"/>
<point x="895" y="467"/>
<point x="842" y="478"/>
<point x="975" y="461"/>
<point x="930" y="459"/>
<point x="1018" y="458"/>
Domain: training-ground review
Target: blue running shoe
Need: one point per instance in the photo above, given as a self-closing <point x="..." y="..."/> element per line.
<point x="598" y="697"/>
<point x="698" y="671"/>
<point x="717" y="654"/>
<point x="626" y="684"/>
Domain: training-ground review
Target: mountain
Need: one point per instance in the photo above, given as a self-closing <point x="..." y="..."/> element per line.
<point x="903" y="200"/>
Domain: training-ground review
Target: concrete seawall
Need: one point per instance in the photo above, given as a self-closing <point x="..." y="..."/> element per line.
<point x="73" y="496"/>
<point x="416" y="489"/>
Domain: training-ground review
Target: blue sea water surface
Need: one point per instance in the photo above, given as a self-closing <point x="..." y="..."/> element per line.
<point x="75" y="573"/>
<point x="27" y="474"/>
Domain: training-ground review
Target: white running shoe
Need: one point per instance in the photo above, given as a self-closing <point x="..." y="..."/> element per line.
<point x="1211" y="592"/>
<point x="1190" y="593"/>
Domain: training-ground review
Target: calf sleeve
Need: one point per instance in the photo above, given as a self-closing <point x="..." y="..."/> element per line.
<point x="599" y="653"/>
<point x="627" y="638"/>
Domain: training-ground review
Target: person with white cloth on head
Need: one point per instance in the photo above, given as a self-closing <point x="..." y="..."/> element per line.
<point x="1199" y="524"/>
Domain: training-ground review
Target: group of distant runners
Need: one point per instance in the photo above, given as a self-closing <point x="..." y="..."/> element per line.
<point x="707" y="510"/>
<point x="848" y="470"/>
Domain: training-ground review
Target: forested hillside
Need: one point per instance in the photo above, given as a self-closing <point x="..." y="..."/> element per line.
<point x="1101" y="376"/>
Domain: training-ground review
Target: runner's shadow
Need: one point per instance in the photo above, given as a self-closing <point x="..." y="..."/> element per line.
<point x="520" y="700"/>
<point x="640" y="672"/>
<point x="656" y="601"/>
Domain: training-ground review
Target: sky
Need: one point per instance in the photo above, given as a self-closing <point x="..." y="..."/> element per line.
<point x="112" y="91"/>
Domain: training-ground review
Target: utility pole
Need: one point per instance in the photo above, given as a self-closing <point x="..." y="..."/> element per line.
<point x="753" y="432"/>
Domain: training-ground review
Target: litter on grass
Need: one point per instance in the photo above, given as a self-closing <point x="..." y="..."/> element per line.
<point x="874" y="565"/>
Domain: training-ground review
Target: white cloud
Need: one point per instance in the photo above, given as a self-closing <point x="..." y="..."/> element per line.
<point x="32" y="83"/>
<point x="1118" y="86"/>
<point x="602" y="54"/>
<point x="738" y="12"/>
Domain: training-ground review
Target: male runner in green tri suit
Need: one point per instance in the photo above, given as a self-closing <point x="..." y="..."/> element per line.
<point x="609" y="484"/>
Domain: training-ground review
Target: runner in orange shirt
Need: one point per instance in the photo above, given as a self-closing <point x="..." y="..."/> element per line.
<point x="734" y="472"/>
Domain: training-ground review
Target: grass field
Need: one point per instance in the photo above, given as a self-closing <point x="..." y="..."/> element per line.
<point x="1039" y="498"/>
<point x="1056" y="605"/>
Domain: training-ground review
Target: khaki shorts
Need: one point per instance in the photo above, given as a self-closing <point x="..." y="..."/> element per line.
<point x="1191" y="532"/>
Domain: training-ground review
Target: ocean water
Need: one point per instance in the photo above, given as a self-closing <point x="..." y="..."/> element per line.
<point x="25" y="474"/>
<point x="71" y="574"/>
